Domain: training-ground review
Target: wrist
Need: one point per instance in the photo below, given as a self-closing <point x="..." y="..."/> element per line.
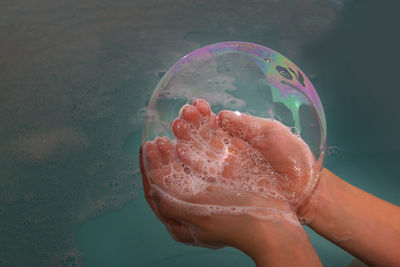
<point x="267" y="236"/>
<point x="281" y="243"/>
<point x="307" y="210"/>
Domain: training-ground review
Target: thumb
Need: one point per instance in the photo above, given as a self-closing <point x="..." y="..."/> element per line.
<point x="243" y="125"/>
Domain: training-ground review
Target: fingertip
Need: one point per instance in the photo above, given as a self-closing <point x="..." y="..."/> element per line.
<point x="243" y="125"/>
<point x="203" y="107"/>
<point x="227" y="116"/>
<point x="180" y="129"/>
<point x="191" y="114"/>
<point x="231" y="121"/>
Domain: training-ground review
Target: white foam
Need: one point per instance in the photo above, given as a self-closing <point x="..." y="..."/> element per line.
<point x="208" y="209"/>
<point x="250" y="170"/>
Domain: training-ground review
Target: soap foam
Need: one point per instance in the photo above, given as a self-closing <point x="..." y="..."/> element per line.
<point x="250" y="172"/>
<point x="209" y="209"/>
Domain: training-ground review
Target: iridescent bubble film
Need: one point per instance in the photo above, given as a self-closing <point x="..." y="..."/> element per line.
<point x="243" y="77"/>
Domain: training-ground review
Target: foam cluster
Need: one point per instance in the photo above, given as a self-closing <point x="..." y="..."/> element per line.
<point x="213" y="157"/>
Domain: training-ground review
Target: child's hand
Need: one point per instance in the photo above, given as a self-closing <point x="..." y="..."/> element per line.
<point x="253" y="165"/>
<point x="247" y="221"/>
<point x="236" y="151"/>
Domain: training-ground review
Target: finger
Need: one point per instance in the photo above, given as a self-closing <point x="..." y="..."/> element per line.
<point x="166" y="149"/>
<point x="239" y="143"/>
<point x="190" y="157"/>
<point x="146" y="184"/>
<point x="203" y="107"/>
<point x="243" y="125"/>
<point x="185" y="210"/>
<point x="152" y="155"/>
<point x="180" y="232"/>
<point x="191" y="114"/>
<point x="180" y="129"/>
<point x="216" y="142"/>
<point x="149" y="198"/>
<point x="152" y="163"/>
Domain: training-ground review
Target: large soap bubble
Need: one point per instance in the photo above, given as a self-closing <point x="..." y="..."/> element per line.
<point x="242" y="77"/>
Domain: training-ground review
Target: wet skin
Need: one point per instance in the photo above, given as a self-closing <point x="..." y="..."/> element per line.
<point x="232" y="150"/>
<point x="364" y="225"/>
<point x="199" y="131"/>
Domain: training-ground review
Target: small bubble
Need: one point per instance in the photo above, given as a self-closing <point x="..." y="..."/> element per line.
<point x="187" y="170"/>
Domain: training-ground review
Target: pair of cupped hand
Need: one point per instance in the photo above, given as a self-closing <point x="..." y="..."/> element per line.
<point x="289" y="172"/>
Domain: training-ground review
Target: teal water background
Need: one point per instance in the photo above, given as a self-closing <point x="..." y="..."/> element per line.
<point x="75" y="77"/>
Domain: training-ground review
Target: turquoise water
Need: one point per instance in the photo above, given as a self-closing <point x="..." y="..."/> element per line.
<point x="75" y="78"/>
<point x="363" y="149"/>
<point x="122" y="238"/>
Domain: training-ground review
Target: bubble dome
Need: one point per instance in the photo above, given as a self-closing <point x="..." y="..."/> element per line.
<point x="243" y="77"/>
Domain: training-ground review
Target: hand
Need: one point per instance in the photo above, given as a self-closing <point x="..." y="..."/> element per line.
<point x="236" y="151"/>
<point x="217" y="218"/>
<point x="264" y="228"/>
<point x="289" y="156"/>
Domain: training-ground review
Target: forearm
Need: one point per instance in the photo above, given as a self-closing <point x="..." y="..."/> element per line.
<point x="282" y="244"/>
<point x="362" y="224"/>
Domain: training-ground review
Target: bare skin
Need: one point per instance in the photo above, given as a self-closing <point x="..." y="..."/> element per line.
<point x="237" y="149"/>
<point x="278" y="240"/>
<point x="336" y="209"/>
<point x="365" y="226"/>
<point x="268" y="242"/>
